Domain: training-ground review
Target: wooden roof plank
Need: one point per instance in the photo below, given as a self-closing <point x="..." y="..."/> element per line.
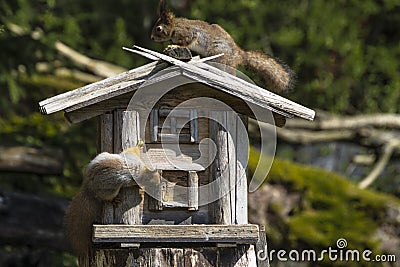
<point x="98" y="91"/>
<point x="195" y="70"/>
<point x="237" y="86"/>
<point x="194" y="59"/>
<point x="245" y="97"/>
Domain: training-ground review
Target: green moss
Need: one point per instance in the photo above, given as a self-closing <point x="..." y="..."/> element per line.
<point x="331" y="207"/>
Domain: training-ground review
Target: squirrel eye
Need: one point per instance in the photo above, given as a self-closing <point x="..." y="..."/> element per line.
<point x="159" y="28"/>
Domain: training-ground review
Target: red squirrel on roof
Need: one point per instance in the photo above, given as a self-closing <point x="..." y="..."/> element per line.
<point x="211" y="39"/>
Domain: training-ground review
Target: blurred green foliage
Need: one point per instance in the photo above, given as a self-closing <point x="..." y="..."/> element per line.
<point x="329" y="207"/>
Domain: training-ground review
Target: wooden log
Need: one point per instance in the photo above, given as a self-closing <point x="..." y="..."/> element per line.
<point x="130" y="135"/>
<point x="105" y="133"/>
<point x="229" y="167"/>
<point x="220" y="210"/>
<point x="32" y="160"/>
<point x="105" y="143"/>
<point x="126" y="135"/>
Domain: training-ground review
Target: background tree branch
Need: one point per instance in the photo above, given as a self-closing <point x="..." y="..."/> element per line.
<point x="100" y="68"/>
<point x="32" y="160"/>
<point x="377" y="131"/>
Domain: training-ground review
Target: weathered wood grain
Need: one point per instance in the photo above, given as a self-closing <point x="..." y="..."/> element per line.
<point x="176" y="257"/>
<point x="179" y="157"/>
<point x="127" y="134"/>
<point x="173" y="257"/>
<point x="131" y="80"/>
<point x="105" y="143"/>
<point x="220" y="210"/>
<point x="193" y="191"/>
<point x="169" y="101"/>
<point x="158" y="257"/>
<point x="117" y="130"/>
<point x="242" y="151"/>
<point x="231" y="129"/>
<point x="101" y="90"/>
<point x="130" y="135"/>
<point x="105" y="133"/>
<point x="239" y="234"/>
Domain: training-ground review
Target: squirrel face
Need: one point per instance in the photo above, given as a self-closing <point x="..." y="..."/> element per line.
<point x="163" y="28"/>
<point x="161" y="32"/>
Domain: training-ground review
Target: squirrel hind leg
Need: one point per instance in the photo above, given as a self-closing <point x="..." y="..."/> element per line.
<point x="108" y="194"/>
<point x="227" y="64"/>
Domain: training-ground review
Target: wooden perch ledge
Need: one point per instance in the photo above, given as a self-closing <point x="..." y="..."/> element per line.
<point x="237" y="234"/>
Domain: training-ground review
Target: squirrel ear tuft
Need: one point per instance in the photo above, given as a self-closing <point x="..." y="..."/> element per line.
<point x="163" y="11"/>
<point x="162" y="8"/>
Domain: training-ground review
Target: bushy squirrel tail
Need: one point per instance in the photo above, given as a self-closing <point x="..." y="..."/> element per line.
<point x="275" y="74"/>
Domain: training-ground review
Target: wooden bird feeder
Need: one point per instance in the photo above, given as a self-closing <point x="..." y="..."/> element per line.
<point x="170" y="226"/>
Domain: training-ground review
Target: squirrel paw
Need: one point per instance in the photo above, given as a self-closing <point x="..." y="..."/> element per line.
<point x="141" y="143"/>
<point x="135" y="149"/>
<point x="171" y="46"/>
<point x="178" y="52"/>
